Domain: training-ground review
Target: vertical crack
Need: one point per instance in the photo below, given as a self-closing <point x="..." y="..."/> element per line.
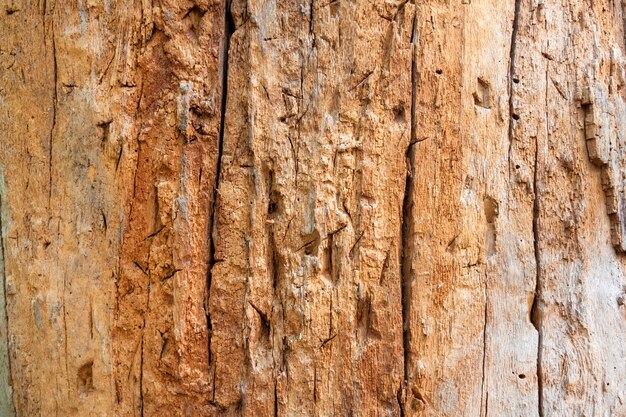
<point x="228" y="30"/>
<point x="149" y="276"/>
<point x="406" y="290"/>
<point x="55" y="96"/>
<point x="311" y="15"/>
<point x="54" y="116"/>
<point x="484" y="403"/>
<point x="6" y="309"/>
<point x="141" y="368"/>
<point x="400" y="402"/>
<point x="512" y="79"/>
<point x="148" y="273"/>
<point x="407" y="224"/>
<point x="535" y="311"/>
<point x="312" y="36"/>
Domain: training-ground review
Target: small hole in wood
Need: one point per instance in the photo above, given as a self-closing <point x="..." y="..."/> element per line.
<point x="85" y="377"/>
<point x="399" y="114"/>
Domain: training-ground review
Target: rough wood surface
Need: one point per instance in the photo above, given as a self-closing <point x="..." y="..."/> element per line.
<point x="325" y="208"/>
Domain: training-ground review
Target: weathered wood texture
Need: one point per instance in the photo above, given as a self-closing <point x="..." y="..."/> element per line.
<point x="329" y="208"/>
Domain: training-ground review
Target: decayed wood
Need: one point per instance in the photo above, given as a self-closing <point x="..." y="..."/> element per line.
<point x="388" y="208"/>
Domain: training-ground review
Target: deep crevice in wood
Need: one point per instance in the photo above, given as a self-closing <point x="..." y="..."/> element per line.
<point x="512" y="79"/>
<point x="406" y="225"/>
<point x="228" y="30"/>
<point x="535" y="312"/>
<point x="54" y="115"/>
<point x="484" y="403"/>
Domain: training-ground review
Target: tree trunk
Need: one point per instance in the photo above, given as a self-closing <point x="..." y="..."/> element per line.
<point x="286" y="208"/>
